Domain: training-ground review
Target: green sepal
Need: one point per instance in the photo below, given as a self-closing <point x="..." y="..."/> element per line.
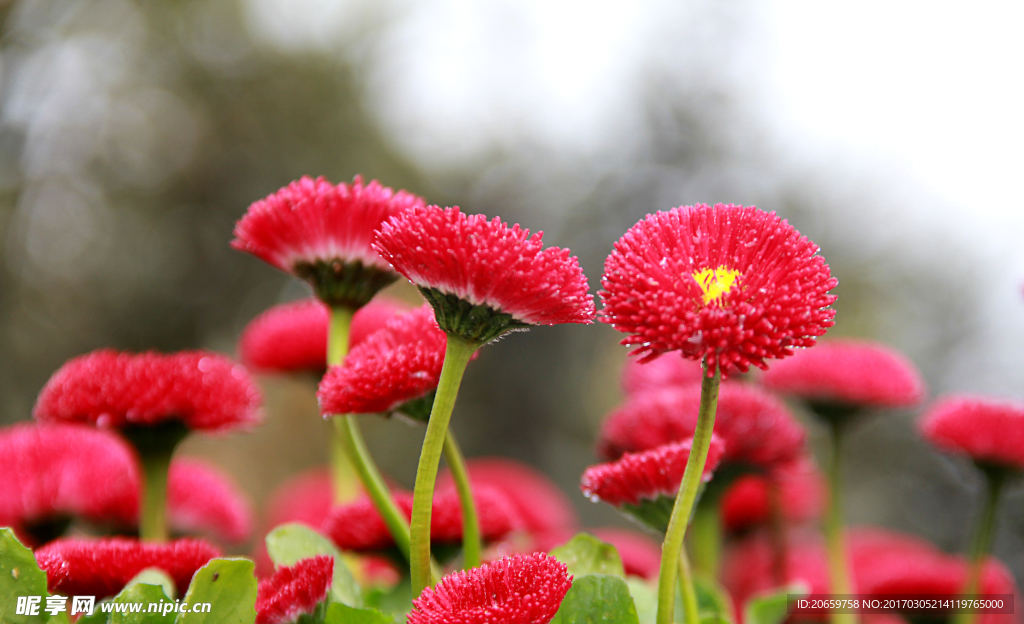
<point x="344" y="284"/>
<point x="476" y="324"/>
<point x="292" y="542"/>
<point x="416" y="409"/>
<point x="657" y="512"/>
<point x="344" y="614"/>
<point x="19" y="576"/>
<point x="585" y="554"/>
<point x="229" y="585"/>
<point x="772" y="608"/>
<point x="597" y="598"/>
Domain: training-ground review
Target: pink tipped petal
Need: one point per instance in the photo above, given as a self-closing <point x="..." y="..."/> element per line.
<point x="202" y="499"/>
<point x="294" y="591"/>
<point x="987" y="430"/>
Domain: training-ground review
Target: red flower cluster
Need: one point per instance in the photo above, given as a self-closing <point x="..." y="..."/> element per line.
<point x="400" y="363"/>
<point x="526" y="589"/>
<point x="201" y="499"/>
<point x="756" y="428"/>
<point x="728" y="283"/>
<point x="292" y="337"/>
<point x="294" y="591"/>
<point x="747" y="502"/>
<point x="486" y="263"/>
<point x="540" y="503"/>
<point x="103" y="567"/>
<point x="312" y="221"/>
<point x="204" y="390"/>
<point x="52" y="470"/>
<point x="307" y="498"/>
<point x="668" y="371"/>
<point x="987" y="430"/>
<point x="358" y="526"/>
<point x="649" y="474"/>
<point x="849" y="372"/>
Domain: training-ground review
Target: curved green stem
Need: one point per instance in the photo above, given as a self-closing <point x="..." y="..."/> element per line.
<point x="337" y="335"/>
<point x="470" y="521"/>
<point x="342" y="463"/>
<point x="706" y="537"/>
<point x="673" y="545"/>
<point x="456" y="357"/>
<point x="691" y="610"/>
<point x="981" y="541"/>
<point x="839" y="570"/>
<point x="153" y="515"/>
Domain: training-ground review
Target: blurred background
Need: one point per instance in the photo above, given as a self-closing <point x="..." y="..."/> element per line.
<point x="134" y="134"/>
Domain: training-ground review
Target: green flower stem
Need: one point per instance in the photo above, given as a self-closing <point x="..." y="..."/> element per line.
<point x="706" y="537"/>
<point x="456" y="357"/>
<point x="676" y="533"/>
<point x="981" y="541"/>
<point x="691" y="610"/>
<point x="839" y="569"/>
<point x="342" y="462"/>
<point x="470" y="521"/>
<point x="337" y="335"/>
<point x="153" y="515"/>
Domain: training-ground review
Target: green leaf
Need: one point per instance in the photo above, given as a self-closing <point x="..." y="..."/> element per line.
<point x="585" y="554"/>
<point x="155" y="576"/>
<point x="97" y="617"/>
<point x="712" y="599"/>
<point x="395" y="601"/>
<point x="772" y="608"/>
<point x="343" y="614"/>
<point x="645" y="599"/>
<point x="290" y="543"/>
<point x="597" y="598"/>
<point x="142" y="595"/>
<point x="228" y="585"/>
<point x="19" y="576"/>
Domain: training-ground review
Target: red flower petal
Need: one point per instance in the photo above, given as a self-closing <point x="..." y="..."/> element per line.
<point x="103" y="567"/>
<point x="727" y="282"/>
<point x="526" y="589"/>
<point x="987" y="430"/>
<point x="202" y="499"/>
<point x="756" y="427"/>
<point x="313" y="220"/>
<point x="306" y="498"/>
<point x="801" y="491"/>
<point x="358" y="526"/>
<point x="487" y="264"/>
<point x="205" y="390"/>
<point x="294" y="590"/>
<point x="668" y="371"/>
<point x="850" y="372"/>
<point x="649" y="474"/>
<point x="640" y="554"/>
<point x="292" y="337"/>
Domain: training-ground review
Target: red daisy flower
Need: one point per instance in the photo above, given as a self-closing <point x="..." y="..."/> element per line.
<point x="669" y="371"/>
<point x="50" y="474"/>
<point x="103" y="567"/>
<point x="358" y="526"/>
<point x="753" y="566"/>
<point x="756" y="428"/>
<point x="641" y="555"/>
<point x="728" y="283"/>
<point x="747" y="502"/>
<point x="464" y="262"/>
<point x="856" y="373"/>
<point x="294" y="591"/>
<point x="397" y="365"/>
<point x="322" y="233"/>
<point x="203" y="390"/>
<point x="526" y="589"/>
<point x="538" y="501"/>
<point x="988" y="430"/>
<point x="202" y="499"/>
<point x="647" y="475"/>
<point x="292" y="337"/>
<point x="307" y="498"/>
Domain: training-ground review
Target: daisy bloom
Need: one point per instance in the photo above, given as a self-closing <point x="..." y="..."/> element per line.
<point x="641" y="555"/>
<point x="292" y="337"/>
<point x="294" y="591"/>
<point x="989" y="431"/>
<point x="321" y="232"/>
<point x="731" y="285"/>
<point x="668" y="371"/>
<point x="482" y="277"/>
<point x="756" y="428"/>
<point x="754" y="565"/>
<point x="645" y="484"/>
<point x="850" y="374"/>
<point x="307" y="498"/>
<point x="102" y="567"/>
<point x="799" y="487"/>
<point x="526" y="589"/>
<point x="202" y="499"/>
<point x="359" y="526"/>
<point x="201" y="390"/>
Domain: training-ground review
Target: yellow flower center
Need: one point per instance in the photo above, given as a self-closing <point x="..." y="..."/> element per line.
<point x="715" y="282"/>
